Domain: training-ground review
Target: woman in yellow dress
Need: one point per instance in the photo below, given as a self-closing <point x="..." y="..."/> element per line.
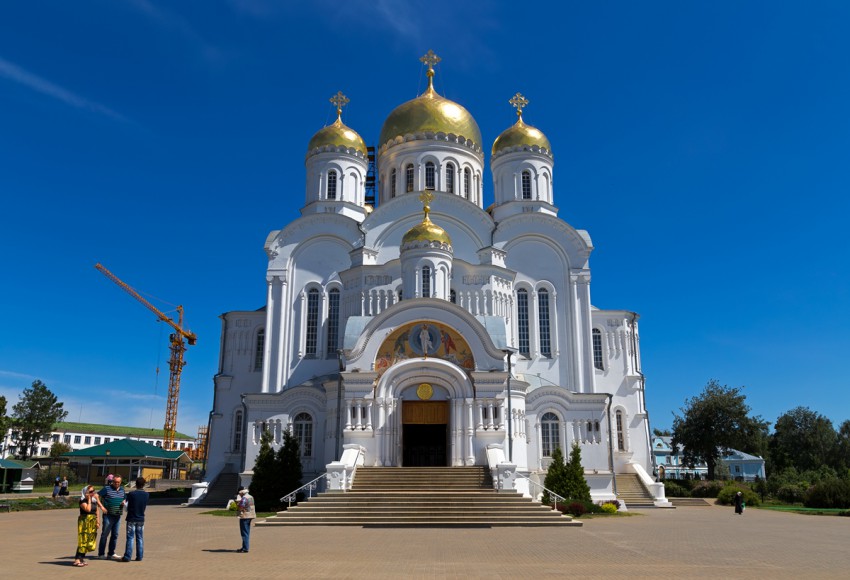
<point x="87" y="525"/>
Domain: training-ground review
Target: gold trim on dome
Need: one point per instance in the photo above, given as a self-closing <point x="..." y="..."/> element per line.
<point x="520" y="134"/>
<point x="427" y="231"/>
<point x="338" y="134"/>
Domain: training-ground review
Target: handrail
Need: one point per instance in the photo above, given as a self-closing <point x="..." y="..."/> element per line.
<point x="293" y="495"/>
<point x="551" y="493"/>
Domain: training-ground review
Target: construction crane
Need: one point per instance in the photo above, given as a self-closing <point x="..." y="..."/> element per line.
<point x="177" y="346"/>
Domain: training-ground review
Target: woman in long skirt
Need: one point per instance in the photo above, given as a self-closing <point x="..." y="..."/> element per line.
<point x="87" y="525"/>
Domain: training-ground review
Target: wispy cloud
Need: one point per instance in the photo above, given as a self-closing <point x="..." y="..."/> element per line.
<point x="180" y="26"/>
<point x="36" y="83"/>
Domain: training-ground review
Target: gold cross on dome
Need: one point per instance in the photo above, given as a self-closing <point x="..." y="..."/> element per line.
<point x="339" y="101"/>
<point x="426" y="197"/>
<point x="519" y="102"/>
<point x="430" y="59"/>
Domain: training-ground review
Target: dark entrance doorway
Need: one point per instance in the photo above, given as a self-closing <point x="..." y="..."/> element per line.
<point x="425" y="433"/>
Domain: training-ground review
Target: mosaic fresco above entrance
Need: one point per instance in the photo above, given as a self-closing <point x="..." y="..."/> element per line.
<point x="424" y="339"/>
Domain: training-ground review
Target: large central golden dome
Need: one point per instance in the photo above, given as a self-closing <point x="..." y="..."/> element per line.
<point x="430" y="113"/>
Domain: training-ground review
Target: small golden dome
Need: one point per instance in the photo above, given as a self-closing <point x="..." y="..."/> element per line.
<point x="337" y="135"/>
<point x="521" y="135"/>
<point x="430" y="113"/>
<point x="427" y="231"/>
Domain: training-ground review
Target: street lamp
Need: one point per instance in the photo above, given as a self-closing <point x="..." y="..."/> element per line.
<point x="106" y="466"/>
<point x="508" y="352"/>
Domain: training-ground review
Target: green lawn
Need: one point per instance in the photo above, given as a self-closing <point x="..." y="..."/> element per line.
<point x="803" y="510"/>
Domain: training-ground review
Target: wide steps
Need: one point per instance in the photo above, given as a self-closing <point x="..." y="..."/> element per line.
<point x="420" y="497"/>
<point x="631" y="491"/>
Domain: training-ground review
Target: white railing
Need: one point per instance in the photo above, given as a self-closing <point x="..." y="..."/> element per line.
<point x="341" y="473"/>
<point x="293" y="496"/>
<point x="554" y="497"/>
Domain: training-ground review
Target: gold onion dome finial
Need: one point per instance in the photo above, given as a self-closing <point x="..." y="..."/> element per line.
<point x="430" y="113"/>
<point x="337" y="134"/>
<point x="427" y="231"/>
<point x="519" y="134"/>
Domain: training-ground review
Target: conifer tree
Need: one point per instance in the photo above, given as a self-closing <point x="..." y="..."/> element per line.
<point x="555" y="477"/>
<point x="289" y="464"/>
<point x="575" y="483"/>
<point x="266" y="483"/>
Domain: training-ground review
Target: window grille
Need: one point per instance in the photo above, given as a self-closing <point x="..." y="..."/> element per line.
<point x="543" y="323"/>
<point x="312" y="335"/>
<point x="332" y="184"/>
<point x="522" y="322"/>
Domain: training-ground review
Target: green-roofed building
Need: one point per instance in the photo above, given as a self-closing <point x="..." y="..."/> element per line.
<point x="129" y="458"/>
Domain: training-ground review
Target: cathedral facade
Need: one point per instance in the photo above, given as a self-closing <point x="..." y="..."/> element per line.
<point x="428" y="330"/>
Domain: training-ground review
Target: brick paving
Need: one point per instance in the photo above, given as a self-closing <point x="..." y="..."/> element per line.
<point x="693" y="542"/>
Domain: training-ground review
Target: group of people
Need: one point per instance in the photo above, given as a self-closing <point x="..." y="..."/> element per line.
<point x="60" y="487"/>
<point x="110" y="502"/>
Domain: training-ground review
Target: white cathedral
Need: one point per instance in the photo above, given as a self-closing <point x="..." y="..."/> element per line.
<point x="428" y="330"/>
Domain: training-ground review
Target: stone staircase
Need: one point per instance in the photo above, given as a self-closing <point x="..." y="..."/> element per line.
<point x="688" y="502"/>
<point x="631" y="491"/>
<point x="220" y="491"/>
<point x="420" y="497"/>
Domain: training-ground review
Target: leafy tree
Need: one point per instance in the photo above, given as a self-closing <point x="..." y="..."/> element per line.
<point x="5" y="422"/>
<point x="713" y="422"/>
<point x="662" y="433"/>
<point x="35" y="413"/>
<point x="842" y="447"/>
<point x="265" y="484"/>
<point x="58" y="448"/>
<point x="576" y="483"/>
<point x="555" y="477"/>
<point x="802" y="439"/>
<point x="289" y="462"/>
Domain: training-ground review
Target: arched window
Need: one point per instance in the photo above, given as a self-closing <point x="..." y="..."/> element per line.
<point x="426" y="282"/>
<point x="522" y="321"/>
<point x="400" y="295"/>
<point x="332" y="184"/>
<point x="237" y="431"/>
<point x="621" y="439"/>
<point x="430" y="175"/>
<point x="467" y="177"/>
<point x="312" y="335"/>
<point x="526" y="184"/>
<point x="258" y="351"/>
<point x="452" y="296"/>
<point x="543" y="322"/>
<point x="393" y="182"/>
<point x="450" y="178"/>
<point x="550" y="434"/>
<point x="408" y="177"/>
<point x="597" y="349"/>
<point x="333" y="322"/>
<point x="303" y="426"/>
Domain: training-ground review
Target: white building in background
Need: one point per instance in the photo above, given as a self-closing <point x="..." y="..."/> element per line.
<point x="387" y="327"/>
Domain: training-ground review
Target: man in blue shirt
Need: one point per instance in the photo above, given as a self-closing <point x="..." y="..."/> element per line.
<point x="112" y="497"/>
<point x="137" y="502"/>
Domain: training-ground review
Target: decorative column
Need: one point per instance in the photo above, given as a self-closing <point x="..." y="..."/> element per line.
<point x="470" y="432"/>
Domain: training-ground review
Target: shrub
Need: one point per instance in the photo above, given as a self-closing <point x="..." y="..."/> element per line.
<point x="707" y="489"/>
<point x="791" y="493"/>
<point x="675" y="489"/>
<point x="609" y="508"/>
<point x="832" y="493"/>
<point x="727" y="495"/>
<point x="575" y="508"/>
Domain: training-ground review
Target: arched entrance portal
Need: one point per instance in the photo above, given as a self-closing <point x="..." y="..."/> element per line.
<point x="425" y="433"/>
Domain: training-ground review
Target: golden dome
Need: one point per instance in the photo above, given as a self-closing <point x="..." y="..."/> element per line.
<point x="337" y="135"/>
<point x="430" y="113"/>
<point x="521" y="135"/>
<point x="427" y="231"/>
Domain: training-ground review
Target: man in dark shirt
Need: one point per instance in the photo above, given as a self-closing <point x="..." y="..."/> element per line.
<point x="137" y="501"/>
<point x="112" y="497"/>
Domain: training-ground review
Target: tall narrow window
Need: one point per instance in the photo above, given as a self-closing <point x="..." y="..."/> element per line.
<point x="426" y="282"/>
<point x="430" y="175"/>
<point x="332" y="184"/>
<point x="400" y="295"/>
<point x="549" y="431"/>
<point x="543" y="322"/>
<point x="522" y="321"/>
<point x="452" y="296"/>
<point x="466" y="179"/>
<point x="526" y="184"/>
<point x="393" y="182"/>
<point x="621" y="440"/>
<point x="408" y="177"/>
<point x="597" y="349"/>
<point x="333" y="322"/>
<point x="237" y="431"/>
<point x="303" y="425"/>
<point x="258" y="351"/>
<point x="312" y="335"/>
<point x="450" y="178"/>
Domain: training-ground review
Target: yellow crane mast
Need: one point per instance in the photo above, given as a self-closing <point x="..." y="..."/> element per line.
<point x="176" y="363"/>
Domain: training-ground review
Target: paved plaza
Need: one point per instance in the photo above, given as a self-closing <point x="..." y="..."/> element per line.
<point x="692" y="542"/>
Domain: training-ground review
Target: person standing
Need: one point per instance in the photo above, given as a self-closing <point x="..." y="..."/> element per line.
<point x="246" y="512"/>
<point x="739" y="503"/>
<point x="112" y="497"/>
<point x="87" y="525"/>
<point x="56" y="488"/>
<point x="63" y="487"/>
<point x="137" y="502"/>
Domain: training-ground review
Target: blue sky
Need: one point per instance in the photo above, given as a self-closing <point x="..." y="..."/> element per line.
<point x="703" y="145"/>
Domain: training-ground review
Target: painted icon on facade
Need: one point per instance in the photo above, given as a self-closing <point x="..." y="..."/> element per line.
<point x="424" y="339"/>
